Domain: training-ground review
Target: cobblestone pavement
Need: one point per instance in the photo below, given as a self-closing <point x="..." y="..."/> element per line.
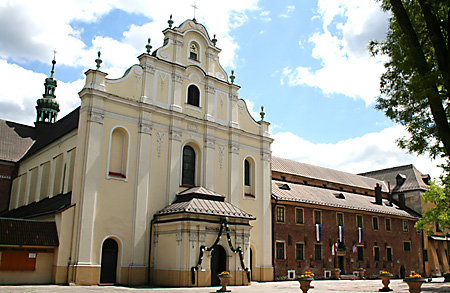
<point x="436" y="285"/>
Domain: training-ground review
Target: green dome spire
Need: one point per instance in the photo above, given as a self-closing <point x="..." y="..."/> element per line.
<point x="47" y="107"/>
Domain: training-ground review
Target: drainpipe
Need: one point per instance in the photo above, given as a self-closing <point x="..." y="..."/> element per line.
<point x="150" y="251"/>
<point x="273" y="237"/>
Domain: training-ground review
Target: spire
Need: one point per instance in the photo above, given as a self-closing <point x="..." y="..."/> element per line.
<point x="47" y="107"/>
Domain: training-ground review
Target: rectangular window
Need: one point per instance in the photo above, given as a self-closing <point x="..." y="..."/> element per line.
<point x="389" y="253"/>
<point x="376" y="253"/>
<point x="317" y="252"/>
<point x="317" y="217"/>
<point x="425" y="255"/>
<point x="438" y="229"/>
<point x="340" y="219"/>
<point x="299" y="251"/>
<point x="280" y="250"/>
<point x="405" y="226"/>
<point x="280" y="214"/>
<point x="375" y="223"/>
<point x="299" y="216"/>
<point x="407" y="246"/>
<point x="359" y="221"/>
<point x="388" y="224"/>
<point x="360" y="253"/>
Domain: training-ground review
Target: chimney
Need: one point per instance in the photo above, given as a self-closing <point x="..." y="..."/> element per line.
<point x="378" y="198"/>
<point x="401" y="200"/>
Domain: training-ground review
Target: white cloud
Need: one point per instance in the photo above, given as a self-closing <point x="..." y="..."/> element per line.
<point x="265" y="16"/>
<point x="289" y="9"/>
<point x="346" y="67"/>
<point x="373" y="151"/>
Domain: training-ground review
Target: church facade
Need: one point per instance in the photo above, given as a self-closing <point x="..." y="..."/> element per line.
<point x="156" y="165"/>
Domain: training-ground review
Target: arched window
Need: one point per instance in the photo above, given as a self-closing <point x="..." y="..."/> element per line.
<point x="249" y="177"/>
<point x="247" y="173"/>
<point x="118" y="154"/>
<point x="188" y="172"/>
<point x="193" y="51"/>
<point x="193" y="96"/>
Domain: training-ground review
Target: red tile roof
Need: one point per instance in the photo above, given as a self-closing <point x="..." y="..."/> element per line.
<point x="28" y="232"/>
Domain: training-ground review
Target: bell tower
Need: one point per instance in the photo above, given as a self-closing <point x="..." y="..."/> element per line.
<point x="47" y="107"/>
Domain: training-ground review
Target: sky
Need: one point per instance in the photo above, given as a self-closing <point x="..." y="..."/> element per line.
<point x="306" y="62"/>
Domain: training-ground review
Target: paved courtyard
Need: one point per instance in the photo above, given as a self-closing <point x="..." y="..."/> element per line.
<point x="436" y="285"/>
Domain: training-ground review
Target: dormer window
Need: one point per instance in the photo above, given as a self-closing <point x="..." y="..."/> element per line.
<point x="193" y="51"/>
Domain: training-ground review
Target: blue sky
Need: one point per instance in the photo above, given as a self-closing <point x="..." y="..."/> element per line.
<point x="306" y="62"/>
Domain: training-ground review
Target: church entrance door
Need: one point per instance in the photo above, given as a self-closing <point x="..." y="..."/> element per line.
<point x="109" y="262"/>
<point x="218" y="264"/>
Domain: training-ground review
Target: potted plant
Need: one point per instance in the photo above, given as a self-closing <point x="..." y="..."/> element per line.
<point x="447" y="277"/>
<point x="337" y="273"/>
<point x="385" y="279"/>
<point x="414" y="282"/>
<point x="224" y="278"/>
<point x="362" y="273"/>
<point x="305" y="281"/>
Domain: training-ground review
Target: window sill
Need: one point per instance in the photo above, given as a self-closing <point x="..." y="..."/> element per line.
<point x="193" y="107"/>
<point x="187" y="186"/>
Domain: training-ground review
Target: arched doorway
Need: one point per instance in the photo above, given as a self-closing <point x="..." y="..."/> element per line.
<point x="218" y="264"/>
<point x="251" y="263"/>
<point x="402" y="272"/>
<point x="109" y="262"/>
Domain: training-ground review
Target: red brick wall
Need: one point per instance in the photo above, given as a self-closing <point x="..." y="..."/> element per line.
<point x="7" y="172"/>
<point x="412" y="261"/>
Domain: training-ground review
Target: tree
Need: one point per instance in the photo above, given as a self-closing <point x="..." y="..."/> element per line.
<point x="439" y="211"/>
<point x="416" y="85"/>
<point x="415" y="89"/>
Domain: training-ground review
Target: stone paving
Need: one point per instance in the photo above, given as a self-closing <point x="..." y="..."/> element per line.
<point x="437" y="285"/>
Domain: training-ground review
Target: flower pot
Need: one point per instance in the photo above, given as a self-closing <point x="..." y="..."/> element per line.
<point x="362" y="274"/>
<point x="305" y="284"/>
<point x="224" y="281"/>
<point x="385" y="279"/>
<point x="414" y="284"/>
<point x="337" y="274"/>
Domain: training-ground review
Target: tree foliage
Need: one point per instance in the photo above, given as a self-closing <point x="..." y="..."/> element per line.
<point x="439" y="212"/>
<point x="416" y="85"/>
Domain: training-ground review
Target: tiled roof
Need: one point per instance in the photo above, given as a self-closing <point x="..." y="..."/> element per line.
<point x="332" y="198"/>
<point x="199" y="200"/>
<point x="15" y="140"/>
<point x="43" y="207"/>
<point x="28" y="232"/>
<point x="325" y="174"/>
<point x="18" y="141"/>
<point x="413" y="178"/>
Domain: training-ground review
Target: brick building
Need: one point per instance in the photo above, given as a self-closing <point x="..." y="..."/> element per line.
<point x="326" y="219"/>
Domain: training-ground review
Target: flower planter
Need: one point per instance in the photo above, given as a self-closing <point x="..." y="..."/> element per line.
<point x="224" y="281"/>
<point x="414" y="284"/>
<point x="385" y="279"/>
<point x="305" y="284"/>
<point x="362" y="274"/>
<point x="337" y="274"/>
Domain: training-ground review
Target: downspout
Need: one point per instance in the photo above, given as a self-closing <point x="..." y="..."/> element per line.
<point x="150" y="251"/>
<point x="273" y="237"/>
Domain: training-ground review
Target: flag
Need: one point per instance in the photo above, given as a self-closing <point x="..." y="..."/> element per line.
<point x="318" y="232"/>
<point x="360" y="234"/>
<point x="354" y="248"/>
<point x="333" y="249"/>
<point x="341" y="234"/>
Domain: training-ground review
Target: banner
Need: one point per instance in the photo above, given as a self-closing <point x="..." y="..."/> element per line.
<point x="341" y="234"/>
<point x="354" y="248"/>
<point x="318" y="232"/>
<point x="360" y="234"/>
<point x="333" y="249"/>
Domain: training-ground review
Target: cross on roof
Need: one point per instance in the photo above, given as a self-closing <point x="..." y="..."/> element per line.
<point x="195" y="7"/>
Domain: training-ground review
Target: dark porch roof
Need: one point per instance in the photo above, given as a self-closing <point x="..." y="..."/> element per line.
<point x="40" y="208"/>
<point x="28" y="232"/>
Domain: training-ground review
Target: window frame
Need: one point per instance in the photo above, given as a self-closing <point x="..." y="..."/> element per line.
<point x="405" y="226"/>
<point x="190" y="103"/>
<point x="404" y="247"/>
<point x="277" y="251"/>
<point x="376" y="220"/>
<point x="386" y="226"/>
<point x="302" y="218"/>
<point x="337" y="219"/>
<point x="316" y="245"/>
<point x="123" y="174"/>
<point x="360" y="252"/>
<point x="358" y="216"/>
<point x="389" y="248"/>
<point x="320" y="216"/>
<point x="297" y="258"/>
<point x="194" y="165"/>
<point x="375" y="249"/>
<point x="278" y="214"/>
<point x="249" y="191"/>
